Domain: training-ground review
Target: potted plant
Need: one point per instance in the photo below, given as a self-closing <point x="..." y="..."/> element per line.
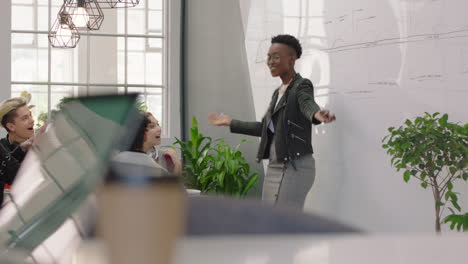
<point x="214" y="167"/>
<point x="433" y="151"/>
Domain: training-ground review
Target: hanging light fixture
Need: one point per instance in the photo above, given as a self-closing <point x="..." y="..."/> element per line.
<point x="85" y="14"/>
<point x="124" y="3"/>
<point x="118" y="3"/>
<point x="77" y="15"/>
<point x="63" y="33"/>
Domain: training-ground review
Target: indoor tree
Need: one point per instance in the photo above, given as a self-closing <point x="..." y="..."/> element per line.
<point x="433" y="151"/>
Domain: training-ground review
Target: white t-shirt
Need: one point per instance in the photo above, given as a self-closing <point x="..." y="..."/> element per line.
<point x="281" y="91"/>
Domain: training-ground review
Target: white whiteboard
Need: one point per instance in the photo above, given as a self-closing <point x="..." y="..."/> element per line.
<point x="374" y="63"/>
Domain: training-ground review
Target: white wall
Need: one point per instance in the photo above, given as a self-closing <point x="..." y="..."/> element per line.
<point x="5" y="50"/>
<point x="374" y="63"/>
<point x="5" y="53"/>
<point x="216" y="71"/>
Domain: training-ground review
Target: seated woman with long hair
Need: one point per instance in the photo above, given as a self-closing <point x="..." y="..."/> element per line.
<point x="147" y="137"/>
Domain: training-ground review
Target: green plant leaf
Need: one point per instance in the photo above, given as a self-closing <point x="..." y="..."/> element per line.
<point x="453" y="170"/>
<point x="423" y="175"/>
<point x="221" y="179"/>
<point x="424" y="184"/>
<point x="456" y="205"/>
<point x="406" y="176"/>
<point x="458" y="221"/>
<point x="453" y="196"/>
<point x="439" y="203"/>
<point x="250" y="183"/>
<point x="449" y="186"/>
<point x="443" y="120"/>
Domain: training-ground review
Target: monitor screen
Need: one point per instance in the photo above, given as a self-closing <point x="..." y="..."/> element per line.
<point x="62" y="170"/>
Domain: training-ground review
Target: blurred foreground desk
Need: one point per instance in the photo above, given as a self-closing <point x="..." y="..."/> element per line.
<point x="337" y="249"/>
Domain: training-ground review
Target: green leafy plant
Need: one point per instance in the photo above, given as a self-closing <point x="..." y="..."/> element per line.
<point x="433" y="151"/>
<point x="214" y="167"/>
<point x="43" y="116"/>
<point x="141" y="105"/>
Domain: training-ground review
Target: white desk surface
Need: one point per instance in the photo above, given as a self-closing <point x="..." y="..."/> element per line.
<point x="363" y="249"/>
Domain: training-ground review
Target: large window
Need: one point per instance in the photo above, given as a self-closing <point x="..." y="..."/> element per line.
<point x="128" y="54"/>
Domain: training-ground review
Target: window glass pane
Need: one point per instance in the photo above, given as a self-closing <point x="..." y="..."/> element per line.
<point x="121" y="18"/>
<point x="144" y="67"/>
<point x="155" y="22"/>
<point x="98" y="90"/>
<point x="136" y="44"/>
<point x="60" y="92"/>
<point x="121" y="67"/>
<point x="39" y="98"/>
<point x="112" y="23"/>
<point x="64" y="65"/>
<point x="136" y="21"/>
<point x="28" y="63"/>
<point x="42" y="17"/>
<point x="155" y="106"/>
<point x="22" y="18"/>
<point x="23" y="40"/>
<point x="155" y="4"/>
<point x="103" y="64"/>
<point x="43" y="41"/>
<point x="153" y="63"/>
<point x="136" y="67"/>
<point x="155" y="43"/>
<point x="23" y="1"/>
<point x="54" y="13"/>
<point x="153" y="99"/>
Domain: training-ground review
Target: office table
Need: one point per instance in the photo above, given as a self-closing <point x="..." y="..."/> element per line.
<point x="412" y="248"/>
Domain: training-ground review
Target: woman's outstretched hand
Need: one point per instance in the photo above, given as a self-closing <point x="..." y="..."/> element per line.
<point x="325" y="116"/>
<point x="219" y="120"/>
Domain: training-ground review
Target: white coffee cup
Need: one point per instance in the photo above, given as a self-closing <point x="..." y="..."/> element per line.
<point x="193" y="192"/>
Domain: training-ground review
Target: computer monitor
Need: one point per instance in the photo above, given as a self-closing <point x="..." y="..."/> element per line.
<point x="62" y="170"/>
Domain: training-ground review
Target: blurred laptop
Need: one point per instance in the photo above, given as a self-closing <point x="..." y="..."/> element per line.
<point x="44" y="214"/>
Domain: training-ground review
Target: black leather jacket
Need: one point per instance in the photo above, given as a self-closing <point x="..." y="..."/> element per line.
<point x="292" y="119"/>
<point x="11" y="157"/>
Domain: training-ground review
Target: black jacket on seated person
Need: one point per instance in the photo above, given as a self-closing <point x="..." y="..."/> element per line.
<point x="292" y="119"/>
<point x="11" y="156"/>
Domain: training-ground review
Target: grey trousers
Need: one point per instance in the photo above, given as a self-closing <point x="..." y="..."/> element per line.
<point x="285" y="186"/>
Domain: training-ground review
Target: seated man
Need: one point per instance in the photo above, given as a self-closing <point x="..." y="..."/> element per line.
<point x="16" y="118"/>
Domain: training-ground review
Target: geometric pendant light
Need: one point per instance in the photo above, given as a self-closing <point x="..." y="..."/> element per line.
<point x="63" y="33"/>
<point x="77" y="15"/>
<point x="123" y="3"/>
<point x="85" y="14"/>
<point x="118" y="3"/>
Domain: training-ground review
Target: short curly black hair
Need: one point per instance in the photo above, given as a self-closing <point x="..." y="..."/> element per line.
<point x="290" y="41"/>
